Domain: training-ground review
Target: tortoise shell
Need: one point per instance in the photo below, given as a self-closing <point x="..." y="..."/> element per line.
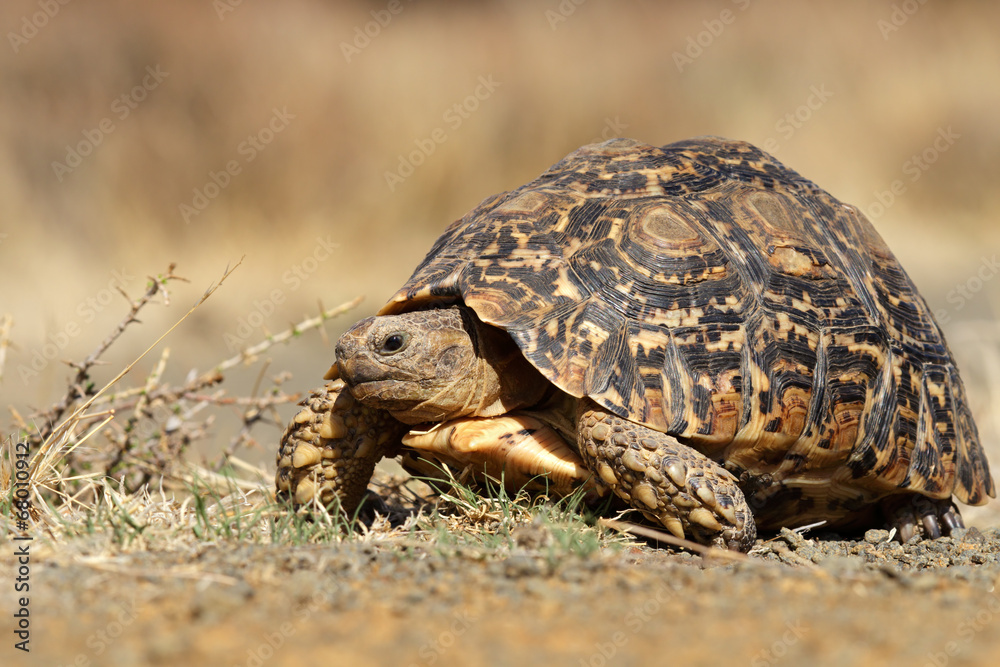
<point x="707" y="291"/>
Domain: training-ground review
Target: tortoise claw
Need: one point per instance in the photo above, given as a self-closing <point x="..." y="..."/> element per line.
<point x="918" y="515"/>
<point x="906" y="532"/>
<point x="931" y="527"/>
<point x="952" y="519"/>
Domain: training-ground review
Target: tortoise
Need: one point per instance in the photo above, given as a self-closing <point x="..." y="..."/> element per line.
<point x="695" y="328"/>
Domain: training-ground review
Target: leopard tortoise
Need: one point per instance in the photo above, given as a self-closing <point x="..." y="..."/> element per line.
<point x="695" y="328"/>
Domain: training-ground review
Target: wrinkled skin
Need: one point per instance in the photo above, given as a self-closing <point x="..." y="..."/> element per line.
<point x="436" y="365"/>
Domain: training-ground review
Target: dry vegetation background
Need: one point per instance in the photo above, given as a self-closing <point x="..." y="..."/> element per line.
<point x="562" y="74"/>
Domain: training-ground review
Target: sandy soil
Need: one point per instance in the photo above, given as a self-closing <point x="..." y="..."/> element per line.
<point x="794" y="601"/>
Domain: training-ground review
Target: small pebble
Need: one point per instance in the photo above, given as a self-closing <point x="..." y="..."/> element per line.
<point x="876" y="536"/>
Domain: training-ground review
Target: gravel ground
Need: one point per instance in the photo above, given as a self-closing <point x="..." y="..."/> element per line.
<point x="794" y="601"/>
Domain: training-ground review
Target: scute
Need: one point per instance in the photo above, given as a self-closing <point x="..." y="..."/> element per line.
<point x="707" y="291"/>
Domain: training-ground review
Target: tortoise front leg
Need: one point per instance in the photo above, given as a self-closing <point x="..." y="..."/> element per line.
<point x="669" y="482"/>
<point x="329" y="450"/>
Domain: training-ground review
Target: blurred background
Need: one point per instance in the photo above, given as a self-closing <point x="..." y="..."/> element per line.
<point x="329" y="143"/>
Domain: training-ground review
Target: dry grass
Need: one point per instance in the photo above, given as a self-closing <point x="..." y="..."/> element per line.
<point x="110" y="470"/>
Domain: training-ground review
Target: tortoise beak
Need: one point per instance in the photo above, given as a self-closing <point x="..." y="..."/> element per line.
<point x="351" y="343"/>
<point x="355" y="363"/>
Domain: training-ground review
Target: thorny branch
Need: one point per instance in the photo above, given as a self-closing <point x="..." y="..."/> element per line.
<point x="79" y="386"/>
<point x="155" y="422"/>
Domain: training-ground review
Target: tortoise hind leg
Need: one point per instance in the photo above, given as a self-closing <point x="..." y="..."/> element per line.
<point x="669" y="482"/>
<point x="915" y="514"/>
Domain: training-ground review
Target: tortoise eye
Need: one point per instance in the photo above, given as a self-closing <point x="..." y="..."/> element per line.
<point x="394" y="342"/>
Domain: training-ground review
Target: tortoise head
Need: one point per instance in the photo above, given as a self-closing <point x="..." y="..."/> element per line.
<point x="434" y="365"/>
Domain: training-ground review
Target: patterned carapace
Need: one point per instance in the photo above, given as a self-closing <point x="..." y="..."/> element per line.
<point x="707" y="291"/>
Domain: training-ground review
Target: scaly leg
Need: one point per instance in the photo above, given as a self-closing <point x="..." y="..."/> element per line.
<point x="330" y="448"/>
<point x="669" y="482"/>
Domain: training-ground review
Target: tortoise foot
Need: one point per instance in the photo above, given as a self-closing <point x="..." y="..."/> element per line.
<point x="914" y="514"/>
<point x="329" y="450"/>
<point x="670" y="483"/>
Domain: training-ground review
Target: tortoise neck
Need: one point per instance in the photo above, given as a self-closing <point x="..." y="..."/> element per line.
<point x="506" y="380"/>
